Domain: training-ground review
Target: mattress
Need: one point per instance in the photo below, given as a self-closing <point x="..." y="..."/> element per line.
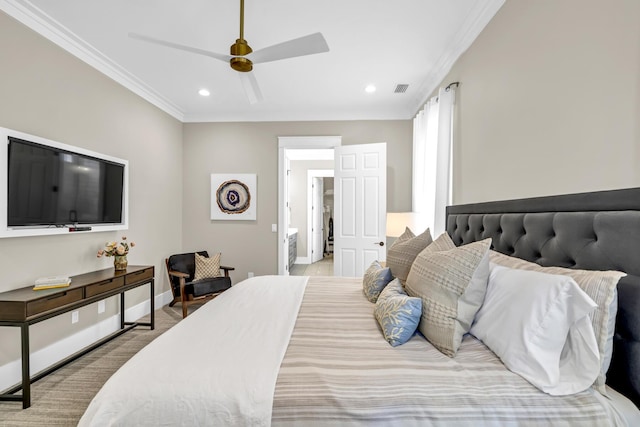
<point x="338" y="370"/>
<point x="330" y="366"/>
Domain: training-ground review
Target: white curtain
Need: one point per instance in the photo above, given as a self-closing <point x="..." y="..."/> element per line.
<point x="432" y="144"/>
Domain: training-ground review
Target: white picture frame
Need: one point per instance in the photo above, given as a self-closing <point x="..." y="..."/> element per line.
<point x="47" y="230"/>
<point x="234" y="196"/>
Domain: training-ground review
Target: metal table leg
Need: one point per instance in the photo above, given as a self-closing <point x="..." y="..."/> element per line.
<point x="121" y="310"/>
<point x="152" y="300"/>
<point x="26" y="375"/>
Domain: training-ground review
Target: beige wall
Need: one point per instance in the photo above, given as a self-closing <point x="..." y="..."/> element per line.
<point x="250" y="246"/>
<point x="45" y="91"/>
<point x="549" y="101"/>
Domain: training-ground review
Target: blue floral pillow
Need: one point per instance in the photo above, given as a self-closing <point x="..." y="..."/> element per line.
<point x="397" y="313"/>
<point x="375" y="279"/>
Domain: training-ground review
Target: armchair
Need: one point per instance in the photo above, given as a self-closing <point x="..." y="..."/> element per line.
<point x="181" y="269"/>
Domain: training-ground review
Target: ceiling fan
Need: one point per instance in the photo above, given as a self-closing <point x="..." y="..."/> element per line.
<point x="242" y="57"/>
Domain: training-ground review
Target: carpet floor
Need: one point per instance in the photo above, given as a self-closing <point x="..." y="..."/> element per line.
<point x="61" y="398"/>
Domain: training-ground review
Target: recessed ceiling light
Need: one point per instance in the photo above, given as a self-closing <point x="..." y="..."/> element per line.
<point x="204" y="92"/>
<point x="370" y="89"/>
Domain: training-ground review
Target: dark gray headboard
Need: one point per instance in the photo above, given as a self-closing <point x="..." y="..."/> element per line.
<point x="591" y="231"/>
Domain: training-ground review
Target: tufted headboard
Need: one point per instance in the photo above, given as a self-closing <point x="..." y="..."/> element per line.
<point x="590" y="231"/>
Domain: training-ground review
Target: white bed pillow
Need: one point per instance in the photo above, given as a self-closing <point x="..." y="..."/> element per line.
<point x="539" y="326"/>
<point x="601" y="286"/>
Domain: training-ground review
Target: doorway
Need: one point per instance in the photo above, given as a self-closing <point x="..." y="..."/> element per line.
<point x="291" y="150"/>
<point x="360" y="203"/>
<point x="319" y="213"/>
<point x="310" y="210"/>
<point x="317" y="259"/>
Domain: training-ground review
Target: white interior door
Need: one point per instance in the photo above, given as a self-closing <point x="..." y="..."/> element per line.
<point x="317" y="190"/>
<point x="360" y="188"/>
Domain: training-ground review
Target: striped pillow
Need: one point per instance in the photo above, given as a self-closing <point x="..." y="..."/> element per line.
<point x="452" y="284"/>
<point x="207" y="268"/>
<point x="404" y="251"/>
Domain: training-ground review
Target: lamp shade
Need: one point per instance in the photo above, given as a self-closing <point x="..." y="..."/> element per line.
<point x="398" y="221"/>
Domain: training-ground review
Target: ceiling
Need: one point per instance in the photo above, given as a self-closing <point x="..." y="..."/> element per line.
<point x="384" y="43"/>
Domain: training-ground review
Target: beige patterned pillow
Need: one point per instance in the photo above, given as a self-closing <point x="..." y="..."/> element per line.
<point x="404" y="251"/>
<point x="601" y="286"/>
<point x="207" y="268"/>
<point x="408" y="234"/>
<point x="442" y="243"/>
<point x="452" y="283"/>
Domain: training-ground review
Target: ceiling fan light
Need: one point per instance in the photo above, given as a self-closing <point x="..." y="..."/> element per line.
<point x="241" y="64"/>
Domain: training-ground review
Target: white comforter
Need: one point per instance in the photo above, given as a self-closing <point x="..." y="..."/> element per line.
<point x="238" y="391"/>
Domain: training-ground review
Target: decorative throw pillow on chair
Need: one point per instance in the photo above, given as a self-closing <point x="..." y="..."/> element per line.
<point x="207" y="268"/>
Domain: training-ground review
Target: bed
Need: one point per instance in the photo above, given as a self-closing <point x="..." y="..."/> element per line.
<point x="309" y="351"/>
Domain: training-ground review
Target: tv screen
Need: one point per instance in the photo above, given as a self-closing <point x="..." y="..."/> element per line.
<point x="48" y="186"/>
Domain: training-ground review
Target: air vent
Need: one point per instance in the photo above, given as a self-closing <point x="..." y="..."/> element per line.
<point x="401" y="88"/>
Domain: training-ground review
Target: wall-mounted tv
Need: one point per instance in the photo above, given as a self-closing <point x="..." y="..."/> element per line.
<point x="54" y="186"/>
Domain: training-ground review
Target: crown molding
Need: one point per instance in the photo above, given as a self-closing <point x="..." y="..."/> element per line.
<point x="474" y="24"/>
<point x="313" y="116"/>
<point x="43" y="24"/>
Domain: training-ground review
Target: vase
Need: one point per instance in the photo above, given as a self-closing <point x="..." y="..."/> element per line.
<point x="120" y="262"/>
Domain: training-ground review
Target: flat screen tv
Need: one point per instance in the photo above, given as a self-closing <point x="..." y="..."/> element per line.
<point x="56" y="186"/>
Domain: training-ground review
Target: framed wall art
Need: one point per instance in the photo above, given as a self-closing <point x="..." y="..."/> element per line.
<point x="233" y="196"/>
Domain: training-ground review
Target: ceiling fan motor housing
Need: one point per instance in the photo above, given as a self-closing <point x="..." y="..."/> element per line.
<point x="239" y="49"/>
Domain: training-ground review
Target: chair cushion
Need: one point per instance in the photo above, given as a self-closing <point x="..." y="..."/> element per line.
<point x="208" y="286"/>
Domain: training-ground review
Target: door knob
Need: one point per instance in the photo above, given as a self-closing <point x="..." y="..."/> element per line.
<point x="379" y="243"/>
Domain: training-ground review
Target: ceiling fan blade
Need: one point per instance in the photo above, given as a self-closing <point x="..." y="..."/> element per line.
<point x="251" y="88"/>
<point x="307" y="45"/>
<point x="172" y="45"/>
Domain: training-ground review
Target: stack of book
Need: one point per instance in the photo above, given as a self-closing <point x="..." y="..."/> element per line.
<point x="52" y="282"/>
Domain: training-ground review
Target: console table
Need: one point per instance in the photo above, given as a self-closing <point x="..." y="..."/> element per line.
<point x="24" y="307"/>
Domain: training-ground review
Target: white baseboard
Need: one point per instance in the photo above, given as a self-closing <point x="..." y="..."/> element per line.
<point x="163" y="299"/>
<point x="11" y="373"/>
<point x="303" y="260"/>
